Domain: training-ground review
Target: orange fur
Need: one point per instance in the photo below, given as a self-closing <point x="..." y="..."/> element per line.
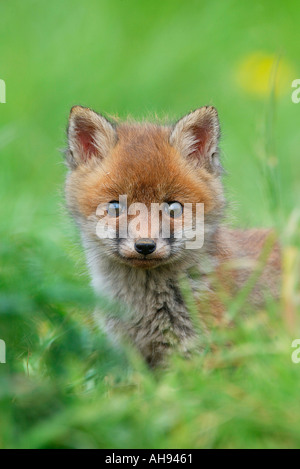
<point x="146" y="168"/>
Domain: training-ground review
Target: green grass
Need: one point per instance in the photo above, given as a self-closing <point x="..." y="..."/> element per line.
<point x="64" y="385"/>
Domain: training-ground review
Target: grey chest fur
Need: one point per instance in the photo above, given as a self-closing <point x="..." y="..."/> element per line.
<point x="158" y="320"/>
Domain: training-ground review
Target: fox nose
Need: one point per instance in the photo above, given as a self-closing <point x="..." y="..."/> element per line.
<point x="145" y="246"/>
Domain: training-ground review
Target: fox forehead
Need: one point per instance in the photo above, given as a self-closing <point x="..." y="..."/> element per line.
<point x="146" y="168"/>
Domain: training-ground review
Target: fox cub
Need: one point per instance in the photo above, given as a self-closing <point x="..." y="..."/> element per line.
<point x="167" y="170"/>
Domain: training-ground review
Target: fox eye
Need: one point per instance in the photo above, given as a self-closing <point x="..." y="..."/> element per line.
<point x="174" y="209"/>
<point x="114" y="208"/>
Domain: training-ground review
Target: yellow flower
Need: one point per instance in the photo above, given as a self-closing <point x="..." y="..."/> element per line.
<point x="259" y="74"/>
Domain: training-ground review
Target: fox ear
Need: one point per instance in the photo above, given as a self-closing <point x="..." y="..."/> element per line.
<point x="89" y="135"/>
<point x="196" y="136"/>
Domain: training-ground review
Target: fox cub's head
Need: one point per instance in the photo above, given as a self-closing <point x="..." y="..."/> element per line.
<point x="134" y="188"/>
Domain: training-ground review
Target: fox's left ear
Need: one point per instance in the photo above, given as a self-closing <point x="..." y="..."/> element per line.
<point x="90" y="135"/>
<point x="196" y="137"/>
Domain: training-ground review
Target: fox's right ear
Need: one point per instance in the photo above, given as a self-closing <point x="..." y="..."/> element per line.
<point x="90" y="135"/>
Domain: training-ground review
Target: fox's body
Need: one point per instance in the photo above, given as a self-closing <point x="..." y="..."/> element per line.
<point x="149" y="164"/>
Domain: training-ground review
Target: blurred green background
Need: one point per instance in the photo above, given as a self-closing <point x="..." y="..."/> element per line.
<point x="63" y="384"/>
